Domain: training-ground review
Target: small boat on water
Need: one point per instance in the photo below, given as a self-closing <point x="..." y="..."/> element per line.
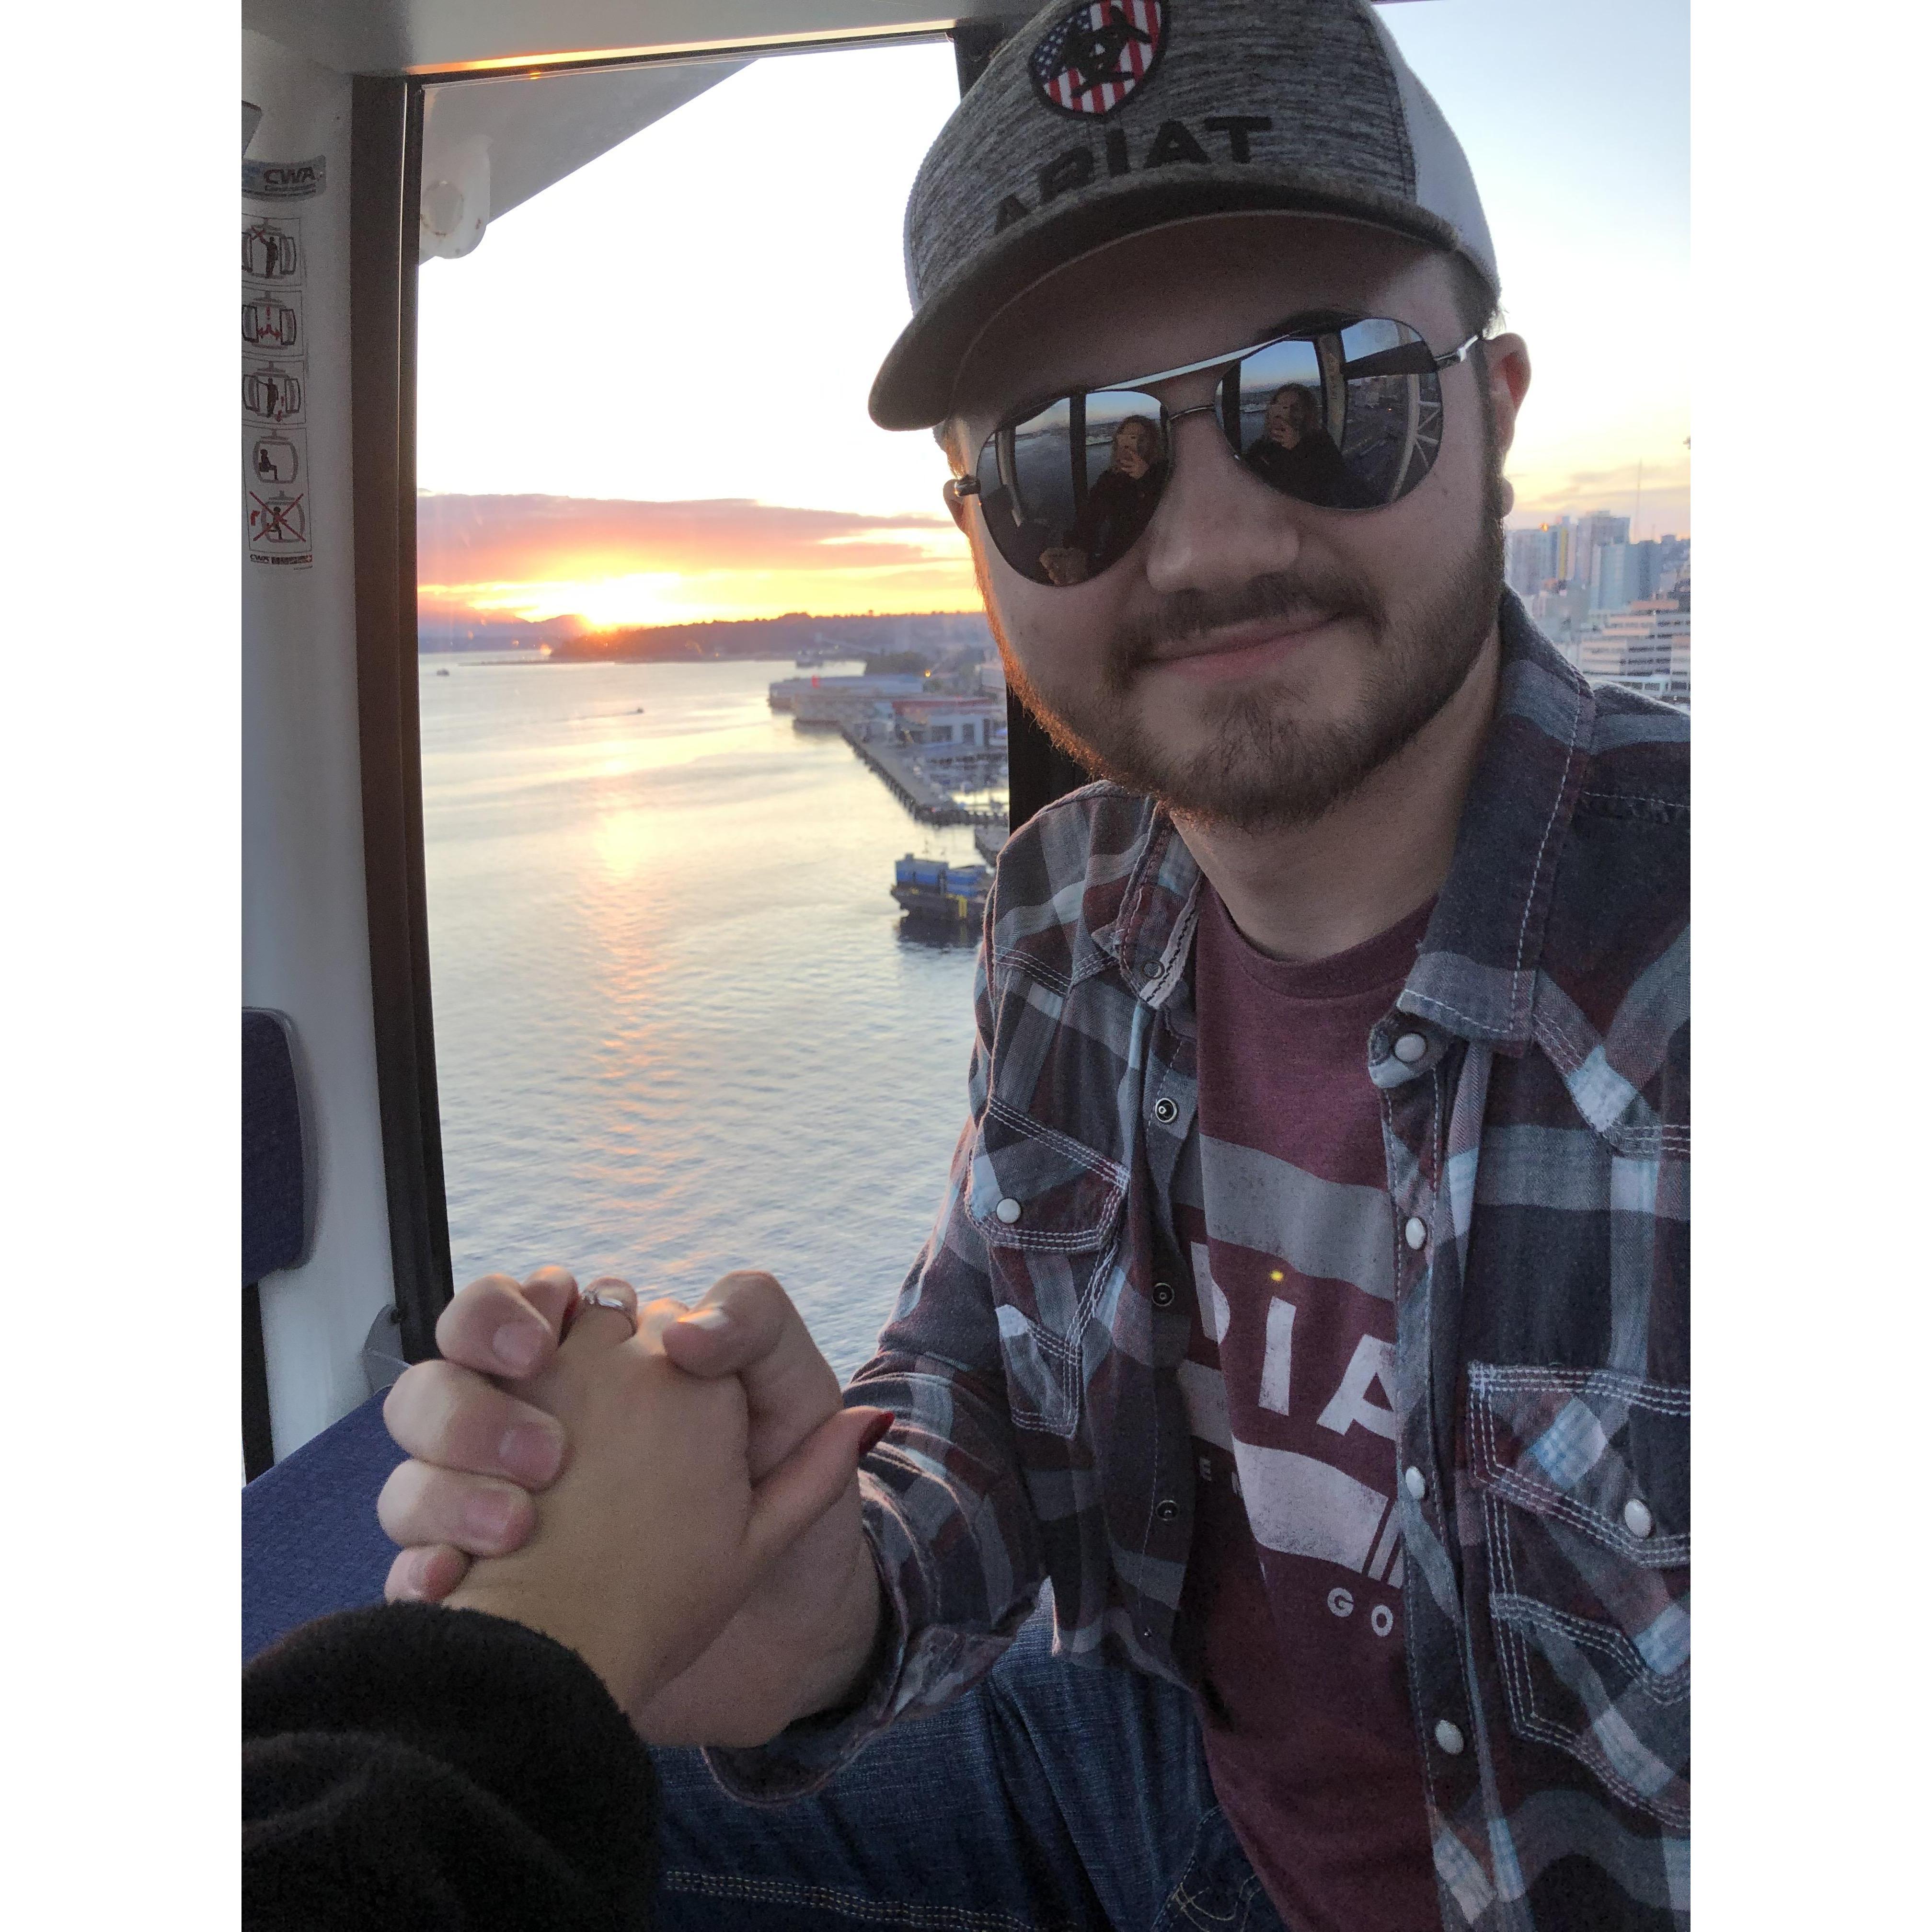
<point x="930" y="888"/>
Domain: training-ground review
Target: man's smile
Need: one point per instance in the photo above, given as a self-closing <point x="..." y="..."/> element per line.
<point x="1241" y="650"/>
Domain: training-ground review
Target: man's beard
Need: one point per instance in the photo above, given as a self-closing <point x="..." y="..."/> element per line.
<point x="1262" y="765"/>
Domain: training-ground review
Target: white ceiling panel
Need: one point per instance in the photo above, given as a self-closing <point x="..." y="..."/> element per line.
<point x="454" y="36"/>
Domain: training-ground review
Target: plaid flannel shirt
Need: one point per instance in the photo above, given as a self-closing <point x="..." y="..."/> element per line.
<point x="1543" y="1359"/>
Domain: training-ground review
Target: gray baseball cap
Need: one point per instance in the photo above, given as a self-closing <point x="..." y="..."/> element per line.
<point x="1101" y="118"/>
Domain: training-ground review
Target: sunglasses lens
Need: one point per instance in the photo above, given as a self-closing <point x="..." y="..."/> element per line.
<point x="1067" y="492"/>
<point x="1346" y="418"/>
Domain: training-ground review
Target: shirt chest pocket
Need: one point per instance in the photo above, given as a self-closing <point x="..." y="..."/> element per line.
<point x="1584" y="1481"/>
<point x="1048" y="1209"/>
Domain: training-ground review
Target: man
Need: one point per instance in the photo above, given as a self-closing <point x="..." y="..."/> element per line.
<point x="1310" y="1306"/>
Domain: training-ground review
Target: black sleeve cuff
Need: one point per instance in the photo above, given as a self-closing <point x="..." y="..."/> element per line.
<point x="409" y="1765"/>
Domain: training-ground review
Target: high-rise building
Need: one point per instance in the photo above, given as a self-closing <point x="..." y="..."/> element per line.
<point x="1626" y="573"/>
<point x="1606" y="593"/>
<point x="1529" y="560"/>
<point x="1593" y="532"/>
<point x="1562" y="536"/>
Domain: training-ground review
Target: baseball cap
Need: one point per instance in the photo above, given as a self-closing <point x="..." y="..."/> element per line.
<point x="1103" y="118"/>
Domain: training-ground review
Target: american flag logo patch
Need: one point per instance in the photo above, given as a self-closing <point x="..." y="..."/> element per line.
<point x="1096" y="54"/>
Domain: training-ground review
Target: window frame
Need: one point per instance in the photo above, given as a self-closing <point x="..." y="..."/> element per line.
<point x="386" y="134"/>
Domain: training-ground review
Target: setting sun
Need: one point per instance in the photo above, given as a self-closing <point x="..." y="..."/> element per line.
<point x="613" y="562"/>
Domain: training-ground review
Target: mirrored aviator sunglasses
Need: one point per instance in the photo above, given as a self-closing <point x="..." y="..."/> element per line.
<point x="1343" y="412"/>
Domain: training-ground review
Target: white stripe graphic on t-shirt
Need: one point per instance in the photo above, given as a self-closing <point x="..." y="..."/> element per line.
<point x="1326" y="1229"/>
<point x="1280" y="1358"/>
<point x="1302" y="1507"/>
<point x="1373" y="1361"/>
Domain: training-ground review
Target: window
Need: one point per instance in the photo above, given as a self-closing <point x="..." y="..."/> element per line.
<point x="681" y="1023"/>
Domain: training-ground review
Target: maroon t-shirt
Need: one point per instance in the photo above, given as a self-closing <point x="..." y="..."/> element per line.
<point x="1293" y="1608"/>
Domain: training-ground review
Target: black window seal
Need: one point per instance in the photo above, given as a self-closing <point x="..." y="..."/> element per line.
<point x="384" y="187"/>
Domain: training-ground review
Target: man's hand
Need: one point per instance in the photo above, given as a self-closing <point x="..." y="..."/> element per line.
<point x="806" y="1633"/>
<point x="654" y="1535"/>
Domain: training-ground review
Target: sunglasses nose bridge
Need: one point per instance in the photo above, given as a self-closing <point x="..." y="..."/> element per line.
<point x="1212" y="430"/>
<point x="1186" y="394"/>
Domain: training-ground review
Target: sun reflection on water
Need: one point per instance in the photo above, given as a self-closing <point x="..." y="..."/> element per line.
<point x="679" y="1028"/>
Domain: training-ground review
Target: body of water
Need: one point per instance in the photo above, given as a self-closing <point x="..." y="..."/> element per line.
<point x="679" y="1028"/>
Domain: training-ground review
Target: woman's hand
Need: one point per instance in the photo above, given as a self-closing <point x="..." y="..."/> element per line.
<point x="652" y="1536"/>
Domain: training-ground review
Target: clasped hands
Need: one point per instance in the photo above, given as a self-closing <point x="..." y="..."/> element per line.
<point x="679" y="1505"/>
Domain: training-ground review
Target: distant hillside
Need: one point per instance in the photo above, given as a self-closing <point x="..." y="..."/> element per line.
<point x="437" y="631"/>
<point x="927" y="637"/>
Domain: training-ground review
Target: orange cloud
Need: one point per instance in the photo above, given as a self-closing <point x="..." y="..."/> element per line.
<point x="618" y="561"/>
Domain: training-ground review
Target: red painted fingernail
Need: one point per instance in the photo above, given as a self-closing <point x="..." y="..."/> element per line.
<point x="875" y="1433"/>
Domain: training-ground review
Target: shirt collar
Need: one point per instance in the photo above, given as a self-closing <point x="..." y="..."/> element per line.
<point x="1476" y="973"/>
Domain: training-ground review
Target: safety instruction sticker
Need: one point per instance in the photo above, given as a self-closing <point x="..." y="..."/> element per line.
<point x="278" y="498"/>
<point x="274" y="392"/>
<point x="271" y="250"/>
<point x="271" y="321"/>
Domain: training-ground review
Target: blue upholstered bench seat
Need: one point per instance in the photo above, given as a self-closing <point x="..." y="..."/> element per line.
<point x="310" y="1541"/>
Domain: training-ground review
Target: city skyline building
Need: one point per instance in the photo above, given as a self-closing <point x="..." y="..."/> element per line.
<point x="1593" y="554"/>
<point x="1624" y="573"/>
<point x="1646" y="648"/>
<point x="1593" y="533"/>
<point x="1525" y="560"/>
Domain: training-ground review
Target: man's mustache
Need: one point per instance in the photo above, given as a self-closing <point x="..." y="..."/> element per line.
<point x="1182" y="616"/>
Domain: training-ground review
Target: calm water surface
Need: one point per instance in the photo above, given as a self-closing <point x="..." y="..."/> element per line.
<point x="679" y="1028"/>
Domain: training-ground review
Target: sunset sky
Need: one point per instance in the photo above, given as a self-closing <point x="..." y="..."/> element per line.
<point x="738" y="263"/>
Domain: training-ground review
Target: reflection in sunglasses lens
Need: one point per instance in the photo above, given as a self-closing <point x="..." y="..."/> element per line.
<point x="1394" y="427"/>
<point x="1346" y="420"/>
<point x="1067" y="492"/>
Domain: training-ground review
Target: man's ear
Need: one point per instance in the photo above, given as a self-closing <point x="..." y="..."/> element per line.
<point x="954" y="502"/>
<point x="1505" y="367"/>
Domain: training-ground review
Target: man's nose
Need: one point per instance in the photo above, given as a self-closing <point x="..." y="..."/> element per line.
<point x="1218" y="524"/>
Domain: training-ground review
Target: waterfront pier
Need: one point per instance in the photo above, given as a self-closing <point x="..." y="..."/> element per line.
<point x="939" y="746"/>
<point x="923" y="796"/>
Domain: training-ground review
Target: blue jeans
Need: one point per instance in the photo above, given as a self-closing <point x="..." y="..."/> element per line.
<point x="1051" y="1797"/>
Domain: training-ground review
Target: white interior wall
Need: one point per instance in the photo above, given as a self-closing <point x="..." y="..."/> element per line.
<point x="305" y="938"/>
